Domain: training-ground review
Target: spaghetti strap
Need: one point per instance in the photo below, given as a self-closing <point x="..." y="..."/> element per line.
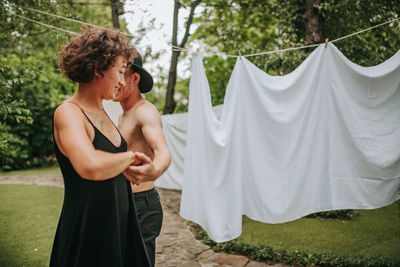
<point x="82" y="112"/>
<point x="96" y="129"/>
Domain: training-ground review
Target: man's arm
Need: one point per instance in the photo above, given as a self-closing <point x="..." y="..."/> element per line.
<point x="150" y="123"/>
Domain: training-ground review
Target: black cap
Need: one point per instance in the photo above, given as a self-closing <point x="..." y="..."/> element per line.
<point x="146" y="81"/>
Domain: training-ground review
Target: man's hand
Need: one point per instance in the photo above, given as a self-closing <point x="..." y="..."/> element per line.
<point x="138" y="160"/>
<point x="130" y="178"/>
<point x="143" y="171"/>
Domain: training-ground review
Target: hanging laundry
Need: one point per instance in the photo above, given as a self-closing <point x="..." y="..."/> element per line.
<point x="324" y="137"/>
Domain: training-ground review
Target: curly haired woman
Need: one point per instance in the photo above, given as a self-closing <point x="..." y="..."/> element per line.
<point x="97" y="226"/>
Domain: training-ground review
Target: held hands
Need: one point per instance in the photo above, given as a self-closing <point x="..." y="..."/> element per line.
<point x="141" y="170"/>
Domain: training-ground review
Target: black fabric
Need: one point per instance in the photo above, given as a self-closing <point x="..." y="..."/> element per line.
<point x="150" y="214"/>
<point x="98" y="225"/>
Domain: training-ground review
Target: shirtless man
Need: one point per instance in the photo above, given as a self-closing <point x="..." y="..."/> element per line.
<point x="140" y="125"/>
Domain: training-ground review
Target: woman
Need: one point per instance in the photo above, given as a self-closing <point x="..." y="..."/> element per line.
<point x="97" y="226"/>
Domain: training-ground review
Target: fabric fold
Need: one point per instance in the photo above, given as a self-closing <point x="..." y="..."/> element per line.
<point x="323" y="137"/>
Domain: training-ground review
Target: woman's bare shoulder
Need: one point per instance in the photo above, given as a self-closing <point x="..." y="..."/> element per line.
<point x="68" y="113"/>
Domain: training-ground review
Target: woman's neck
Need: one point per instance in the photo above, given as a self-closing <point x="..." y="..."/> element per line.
<point x="88" y="98"/>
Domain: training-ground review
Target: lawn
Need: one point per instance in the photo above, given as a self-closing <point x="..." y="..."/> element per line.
<point x="28" y="221"/>
<point x="29" y="216"/>
<point x="48" y="170"/>
<point x="368" y="233"/>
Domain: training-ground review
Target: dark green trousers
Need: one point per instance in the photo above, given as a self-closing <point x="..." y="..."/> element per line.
<point x="150" y="216"/>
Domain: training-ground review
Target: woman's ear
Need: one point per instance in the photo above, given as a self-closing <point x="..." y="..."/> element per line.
<point x="97" y="74"/>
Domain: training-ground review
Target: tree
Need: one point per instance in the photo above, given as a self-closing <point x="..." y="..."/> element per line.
<point x="170" y="103"/>
<point x="255" y="26"/>
<point x="313" y="22"/>
<point x="26" y="137"/>
<point x="117" y="9"/>
<point x="30" y="84"/>
<point x="369" y="48"/>
<point x="231" y="26"/>
<point x="11" y="109"/>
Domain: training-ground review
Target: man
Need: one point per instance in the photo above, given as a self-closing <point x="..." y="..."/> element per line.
<point x="140" y="125"/>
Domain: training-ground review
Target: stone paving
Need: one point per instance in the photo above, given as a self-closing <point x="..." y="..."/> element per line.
<point x="176" y="245"/>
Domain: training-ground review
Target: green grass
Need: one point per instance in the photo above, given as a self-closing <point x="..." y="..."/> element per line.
<point x="28" y="221"/>
<point x="48" y="170"/>
<point x="369" y="233"/>
<point x="29" y="216"/>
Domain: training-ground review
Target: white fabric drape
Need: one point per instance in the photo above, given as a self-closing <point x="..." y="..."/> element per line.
<point x="324" y="137"/>
<point x="174" y="128"/>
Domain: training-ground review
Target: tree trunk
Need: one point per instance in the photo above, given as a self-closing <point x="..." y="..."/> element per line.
<point x="170" y="103"/>
<point x="115" y="12"/>
<point x="313" y="23"/>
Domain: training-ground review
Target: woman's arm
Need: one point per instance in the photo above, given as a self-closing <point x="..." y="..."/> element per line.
<point x="74" y="142"/>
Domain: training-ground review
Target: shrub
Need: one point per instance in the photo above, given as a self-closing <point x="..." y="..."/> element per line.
<point x="12" y="110"/>
<point x="333" y="214"/>
<point x="36" y="89"/>
<point x="298" y="258"/>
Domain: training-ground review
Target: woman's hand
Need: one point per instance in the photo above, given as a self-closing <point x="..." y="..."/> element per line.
<point x="141" y="170"/>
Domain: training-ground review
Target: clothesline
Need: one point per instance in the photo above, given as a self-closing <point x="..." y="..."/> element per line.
<point x="180" y="49"/>
<point x="44" y="24"/>
<point x="177" y="48"/>
<point x="69" y="19"/>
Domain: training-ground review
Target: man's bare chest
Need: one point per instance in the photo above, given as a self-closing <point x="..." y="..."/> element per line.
<point x="132" y="132"/>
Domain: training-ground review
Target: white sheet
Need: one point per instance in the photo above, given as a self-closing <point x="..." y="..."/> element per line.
<point x="174" y="128"/>
<point x="324" y="137"/>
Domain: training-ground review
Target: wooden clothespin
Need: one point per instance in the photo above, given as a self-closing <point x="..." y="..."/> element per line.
<point x="240" y="54"/>
<point x="326" y="42"/>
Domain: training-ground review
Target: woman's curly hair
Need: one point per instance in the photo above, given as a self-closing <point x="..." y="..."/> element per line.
<point x="95" y="49"/>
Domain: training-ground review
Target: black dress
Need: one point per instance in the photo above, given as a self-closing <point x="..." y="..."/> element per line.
<point x="98" y="225"/>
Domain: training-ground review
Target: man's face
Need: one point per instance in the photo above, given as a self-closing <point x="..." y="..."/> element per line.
<point x="131" y="84"/>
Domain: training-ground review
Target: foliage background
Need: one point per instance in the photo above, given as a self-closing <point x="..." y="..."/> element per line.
<point x="31" y="85"/>
<point x="254" y="26"/>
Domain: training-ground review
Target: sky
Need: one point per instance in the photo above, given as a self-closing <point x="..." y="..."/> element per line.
<point x="160" y="39"/>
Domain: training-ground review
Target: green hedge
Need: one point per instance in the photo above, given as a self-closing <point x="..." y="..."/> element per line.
<point x="333" y="214"/>
<point x="39" y="88"/>
<point x="298" y="258"/>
